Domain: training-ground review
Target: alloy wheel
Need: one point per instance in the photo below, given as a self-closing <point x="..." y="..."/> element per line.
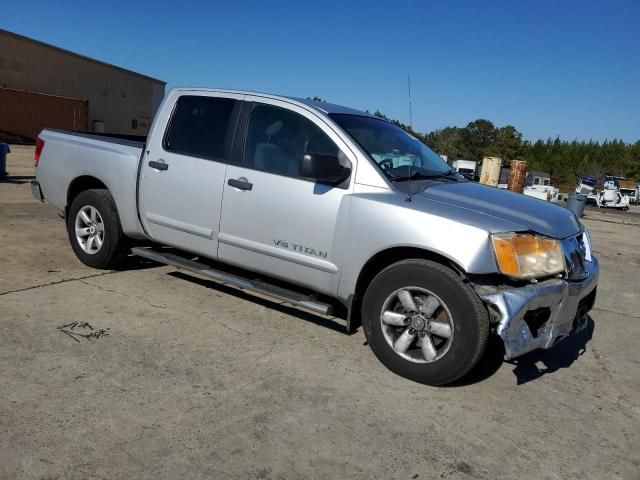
<point x="89" y="229"/>
<point x="417" y="324"/>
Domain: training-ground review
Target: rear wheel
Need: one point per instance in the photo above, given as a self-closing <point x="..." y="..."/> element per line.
<point x="424" y="323"/>
<point x="94" y="229"/>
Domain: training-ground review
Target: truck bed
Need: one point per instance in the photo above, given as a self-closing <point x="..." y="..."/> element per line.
<point x="111" y="160"/>
<point x="122" y="139"/>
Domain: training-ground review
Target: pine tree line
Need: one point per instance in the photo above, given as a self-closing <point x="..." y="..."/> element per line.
<point x="564" y="160"/>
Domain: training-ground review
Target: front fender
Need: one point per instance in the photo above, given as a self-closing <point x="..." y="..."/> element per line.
<point x="382" y="219"/>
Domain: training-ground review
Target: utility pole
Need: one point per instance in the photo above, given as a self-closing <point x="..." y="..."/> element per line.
<point x="410" y="110"/>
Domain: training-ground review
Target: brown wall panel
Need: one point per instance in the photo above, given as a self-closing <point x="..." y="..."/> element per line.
<point x="25" y="114"/>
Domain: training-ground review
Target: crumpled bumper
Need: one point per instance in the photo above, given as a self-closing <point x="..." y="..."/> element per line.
<point x="539" y="315"/>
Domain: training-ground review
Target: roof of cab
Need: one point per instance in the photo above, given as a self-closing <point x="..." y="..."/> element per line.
<point x="320" y="106"/>
<point x="328" y="108"/>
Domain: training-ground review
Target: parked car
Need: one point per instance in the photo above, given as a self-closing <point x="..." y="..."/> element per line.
<point x="629" y="188"/>
<point x="611" y="194"/>
<point x="465" y="167"/>
<point x="335" y="211"/>
<point x="586" y="184"/>
<point x="548" y="193"/>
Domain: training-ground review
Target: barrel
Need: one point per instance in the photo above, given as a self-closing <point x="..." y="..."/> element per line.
<point x="517" y="175"/>
<point x="490" y="173"/>
<point x="576" y="203"/>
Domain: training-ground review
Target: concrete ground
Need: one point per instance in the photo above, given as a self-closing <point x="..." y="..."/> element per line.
<point x="198" y="380"/>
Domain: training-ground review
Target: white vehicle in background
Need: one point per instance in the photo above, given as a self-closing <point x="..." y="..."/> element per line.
<point x="465" y="167"/>
<point x="610" y="195"/>
<point x="548" y="193"/>
<point x="629" y="189"/>
<point x="586" y="185"/>
<point x="538" y="185"/>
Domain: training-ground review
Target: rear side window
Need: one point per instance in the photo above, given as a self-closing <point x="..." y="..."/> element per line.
<point x="200" y="127"/>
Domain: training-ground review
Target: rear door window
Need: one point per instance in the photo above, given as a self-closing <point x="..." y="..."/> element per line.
<point x="201" y="127"/>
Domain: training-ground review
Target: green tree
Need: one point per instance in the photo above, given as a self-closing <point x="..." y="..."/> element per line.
<point x="480" y="135"/>
<point x="632" y="161"/>
<point x="449" y="141"/>
<point x="507" y="144"/>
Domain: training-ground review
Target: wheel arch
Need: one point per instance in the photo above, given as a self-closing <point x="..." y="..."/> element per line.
<point x="381" y="260"/>
<point x="79" y="185"/>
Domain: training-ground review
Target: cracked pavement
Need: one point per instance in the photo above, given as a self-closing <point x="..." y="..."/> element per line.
<point x="200" y="380"/>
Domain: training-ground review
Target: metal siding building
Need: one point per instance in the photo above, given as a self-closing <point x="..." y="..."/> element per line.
<point x="119" y="100"/>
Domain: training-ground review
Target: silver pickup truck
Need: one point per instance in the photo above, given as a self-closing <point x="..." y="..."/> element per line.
<point x="333" y="210"/>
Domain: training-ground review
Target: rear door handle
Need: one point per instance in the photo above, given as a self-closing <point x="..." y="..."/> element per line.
<point x="158" y="165"/>
<point x="241" y="183"/>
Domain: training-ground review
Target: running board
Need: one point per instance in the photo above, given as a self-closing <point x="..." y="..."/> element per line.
<point x="289" y="296"/>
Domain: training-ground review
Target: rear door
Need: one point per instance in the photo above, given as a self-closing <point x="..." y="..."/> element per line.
<point x="273" y="220"/>
<point x="183" y="170"/>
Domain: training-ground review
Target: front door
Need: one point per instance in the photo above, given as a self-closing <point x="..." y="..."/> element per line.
<point x="183" y="172"/>
<point x="273" y="221"/>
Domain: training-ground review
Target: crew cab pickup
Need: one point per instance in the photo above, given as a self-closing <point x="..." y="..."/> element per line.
<point x="333" y="210"/>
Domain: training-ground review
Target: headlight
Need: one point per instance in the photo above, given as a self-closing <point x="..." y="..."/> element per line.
<point x="527" y="256"/>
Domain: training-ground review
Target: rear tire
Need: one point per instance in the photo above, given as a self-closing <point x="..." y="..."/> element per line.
<point x="94" y="230"/>
<point x="439" y="340"/>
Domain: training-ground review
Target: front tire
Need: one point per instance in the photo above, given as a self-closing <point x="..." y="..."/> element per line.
<point x="94" y="230"/>
<point x="424" y="322"/>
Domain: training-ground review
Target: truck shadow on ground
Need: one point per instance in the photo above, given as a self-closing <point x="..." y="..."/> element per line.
<point x="529" y="367"/>
<point x="489" y="364"/>
<point x="543" y="362"/>
<point x="533" y="365"/>
<point x="134" y="262"/>
<point x="329" y="323"/>
<point x="17" y="179"/>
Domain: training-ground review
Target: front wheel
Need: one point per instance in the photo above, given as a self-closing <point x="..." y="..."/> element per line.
<point x="424" y="322"/>
<point x="94" y="229"/>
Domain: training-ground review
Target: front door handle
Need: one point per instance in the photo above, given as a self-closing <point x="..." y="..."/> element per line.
<point x="241" y="183"/>
<point x="158" y="165"/>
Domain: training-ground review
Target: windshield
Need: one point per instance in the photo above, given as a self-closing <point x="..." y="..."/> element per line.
<point x="398" y="153"/>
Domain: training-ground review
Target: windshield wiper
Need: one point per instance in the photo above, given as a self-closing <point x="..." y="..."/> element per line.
<point x="446" y="175"/>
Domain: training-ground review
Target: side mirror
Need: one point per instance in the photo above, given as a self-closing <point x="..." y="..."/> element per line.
<point x="323" y="168"/>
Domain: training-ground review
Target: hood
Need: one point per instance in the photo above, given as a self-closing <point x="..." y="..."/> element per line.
<point x="526" y="213"/>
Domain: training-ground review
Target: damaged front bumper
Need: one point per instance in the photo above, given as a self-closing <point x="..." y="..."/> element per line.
<point x="539" y="315"/>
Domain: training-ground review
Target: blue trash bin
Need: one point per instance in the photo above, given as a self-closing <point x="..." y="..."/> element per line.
<point x="4" y="149"/>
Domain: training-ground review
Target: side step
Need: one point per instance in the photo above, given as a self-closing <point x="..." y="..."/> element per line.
<point x="289" y="296"/>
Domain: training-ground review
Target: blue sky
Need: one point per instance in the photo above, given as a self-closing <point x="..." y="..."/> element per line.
<point x="567" y="68"/>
